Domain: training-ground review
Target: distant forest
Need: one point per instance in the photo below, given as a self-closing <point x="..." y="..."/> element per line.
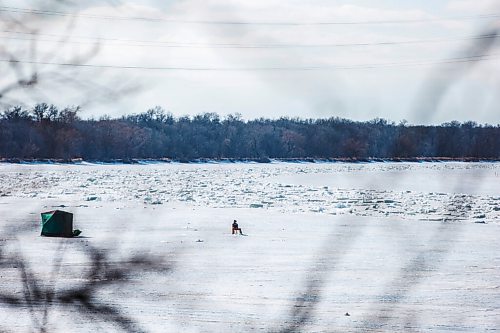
<point x="47" y="132"/>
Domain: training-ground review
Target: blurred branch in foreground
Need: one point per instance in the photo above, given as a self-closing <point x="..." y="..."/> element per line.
<point x="442" y="78"/>
<point x="425" y="262"/>
<point x="24" y="80"/>
<point x="101" y="271"/>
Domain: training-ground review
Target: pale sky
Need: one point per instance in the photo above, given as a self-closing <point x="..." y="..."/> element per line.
<point x="280" y="62"/>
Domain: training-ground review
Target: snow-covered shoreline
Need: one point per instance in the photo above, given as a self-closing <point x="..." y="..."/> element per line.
<point x="264" y="160"/>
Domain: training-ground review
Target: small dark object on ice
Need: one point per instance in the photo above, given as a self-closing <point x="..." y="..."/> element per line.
<point x="199" y="241"/>
<point x="58" y="223"/>
<point x="347" y="314"/>
<point x="235" y="228"/>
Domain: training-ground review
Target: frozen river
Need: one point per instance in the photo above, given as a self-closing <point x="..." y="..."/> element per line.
<point x="399" y="246"/>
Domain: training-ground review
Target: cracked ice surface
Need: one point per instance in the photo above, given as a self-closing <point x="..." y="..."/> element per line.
<point x="426" y="191"/>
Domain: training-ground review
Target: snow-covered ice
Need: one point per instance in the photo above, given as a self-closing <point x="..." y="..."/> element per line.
<point x="399" y="246"/>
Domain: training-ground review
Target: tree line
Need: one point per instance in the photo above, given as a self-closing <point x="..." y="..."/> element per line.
<point x="45" y="131"/>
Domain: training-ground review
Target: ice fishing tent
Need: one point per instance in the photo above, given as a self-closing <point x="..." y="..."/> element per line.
<point x="57" y="223"/>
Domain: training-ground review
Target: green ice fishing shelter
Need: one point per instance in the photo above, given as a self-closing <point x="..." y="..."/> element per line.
<point x="57" y="223"/>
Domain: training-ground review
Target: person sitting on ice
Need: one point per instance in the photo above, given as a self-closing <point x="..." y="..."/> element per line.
<point x="235" y="228"/>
